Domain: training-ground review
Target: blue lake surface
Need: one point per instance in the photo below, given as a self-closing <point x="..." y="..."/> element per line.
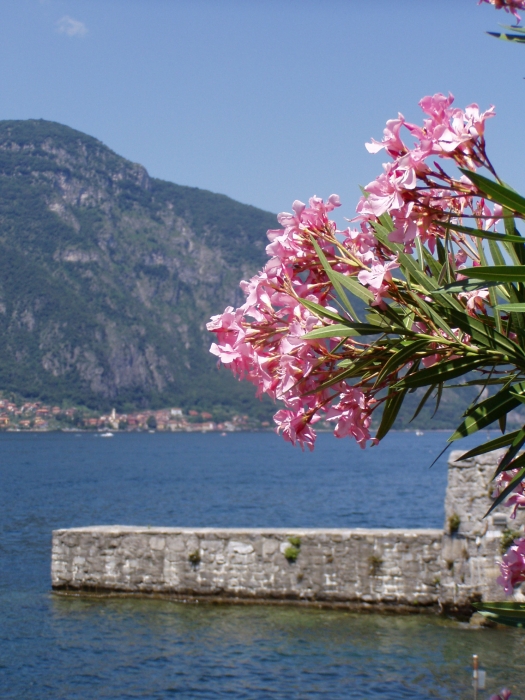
<point x="54" y="648"/>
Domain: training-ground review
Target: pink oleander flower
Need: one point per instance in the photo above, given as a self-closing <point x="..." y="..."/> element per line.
<point x="417" y="194"/>
<point x="378" y="274"/>
<point x="517" y="500"/>
<point x="476" y="300"/>
<point x="508" y="5"/>
<point x="352" y="416"/>
<point x="502" y="695"/>
<point x="296" y="427"/>
<point x="391" y="142"/>
<point x="512" y="567"/>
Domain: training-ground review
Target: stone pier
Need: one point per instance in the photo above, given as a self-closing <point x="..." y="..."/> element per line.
<point x="405" y="570"/>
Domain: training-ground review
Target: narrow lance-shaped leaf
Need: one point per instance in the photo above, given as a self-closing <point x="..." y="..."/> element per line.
<point x="483" y="334"/>
<point x="429" y="312"/>
<point x="507" y="490"/>
<point x="490" y="446"/>
<point x="338" y="330"/>
<point x="464" y="286"/>
<point x="510" y="614"/>
<point x="441" y="372"/>
<point x="511" y="307"/>
<point x="497" y="273"/>
<point x="496" y="192"/>
<point x="392" y="407"/>
<point x="322" y="312"/>
<point x="401" y="357"/>
<point x="353" y="286"/>
<point x="487" y="235"/>
<point x="516" y="38"/>
<point x="333" y="279"/>
<point x="488" y="411"/>
<point x="439" y="394"/>
<point x="510" y="466"/>
<point x="427" y="395"/>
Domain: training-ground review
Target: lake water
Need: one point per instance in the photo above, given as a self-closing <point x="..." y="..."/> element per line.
<point x="55" y="648"/>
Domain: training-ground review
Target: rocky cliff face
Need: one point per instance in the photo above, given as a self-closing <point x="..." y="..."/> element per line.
<point x="108" y="276"/>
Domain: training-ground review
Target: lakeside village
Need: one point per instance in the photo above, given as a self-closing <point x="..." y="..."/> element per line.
<point x="40" y="417"/>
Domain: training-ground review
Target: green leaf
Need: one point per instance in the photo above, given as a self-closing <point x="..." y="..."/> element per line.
<point x="441" y="372"/>
<point x="333" y="279"/>
<point x="516" y="38"/>
<point x="464" y="286"/>
<point x="338" y="330"/>
<point x="488" y="411"/>
<point x="320" y="311"/>
<point x="483" y="334"/>
<point x="429" y="312"/>
<point x="401" y="357"/>
<point x="513" y="28"/>
<point x="423" y="401"/>
<point x="490" y="446"/>
<point x="353" y="286"/>
<point x="497" y="257"/>
<point x="497" y="273"/>
<point x="479" y="382"/>
<point x="407" y="262"/>
<point x="488" y="235"/>
<point x="439" y="394"/>
<point x="510" y="307"/>
<point x="507" y="490"/>
<point x="507" y="463"/>
<point x="516" y="250"/>
<point x="506" y="607"/>
<point x="392" y="406"/>
<point x="496" y="192"/>
<point x="434" y="266"/>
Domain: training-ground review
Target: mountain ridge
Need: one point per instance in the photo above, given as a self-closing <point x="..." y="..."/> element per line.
<point x="107" y="276"/>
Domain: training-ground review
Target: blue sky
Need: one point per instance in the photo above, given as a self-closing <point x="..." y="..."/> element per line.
<point x="263" y="100"/>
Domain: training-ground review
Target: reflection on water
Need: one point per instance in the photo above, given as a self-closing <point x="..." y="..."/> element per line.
<point x="55" y="648"/>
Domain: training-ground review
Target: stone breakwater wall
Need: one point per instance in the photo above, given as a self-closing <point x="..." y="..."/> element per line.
<point x="400" y="569"/>
<point x="390" y="567"/>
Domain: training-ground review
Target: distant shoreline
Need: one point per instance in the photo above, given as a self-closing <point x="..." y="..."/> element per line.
<point x="69" y="431"/>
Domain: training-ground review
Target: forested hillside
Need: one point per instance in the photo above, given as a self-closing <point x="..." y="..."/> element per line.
<point x="108" y="276"/>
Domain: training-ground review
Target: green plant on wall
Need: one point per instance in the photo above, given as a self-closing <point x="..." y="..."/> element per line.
<point x="292" y="552"/>
<point x="375" y="562"/>
<point x="507" y="538"/>
<point x="195" y="557"/>
<point x="454" y="522"/>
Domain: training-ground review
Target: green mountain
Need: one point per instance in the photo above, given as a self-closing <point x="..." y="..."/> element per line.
<point x="108" y="276"/>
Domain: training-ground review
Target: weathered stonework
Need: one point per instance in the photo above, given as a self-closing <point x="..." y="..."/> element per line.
<point x="394" y="567"/>
<point x="399" y="569"/>
<point x="471" y="556"/>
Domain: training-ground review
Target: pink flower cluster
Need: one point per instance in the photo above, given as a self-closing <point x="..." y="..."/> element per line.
<point x="264" y="340"/>
<point x="512" y="566"/>
<point x="508" y="5"/>
<point x="420" y="197"/>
